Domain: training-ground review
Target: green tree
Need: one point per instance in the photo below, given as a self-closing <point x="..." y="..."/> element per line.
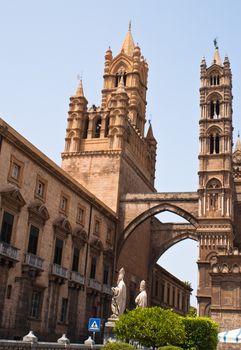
<point x="152" y="326"/>
<point x="201" y="333"/>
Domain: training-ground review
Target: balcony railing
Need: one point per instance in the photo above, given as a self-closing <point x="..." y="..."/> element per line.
<point x="59" y="271"/>
<point x="9" y="251"/>
<point x="34" y="261"/>
<point x="77" y="277"/>
<point x="107" y="289"/>
<point x="92" y="283"/>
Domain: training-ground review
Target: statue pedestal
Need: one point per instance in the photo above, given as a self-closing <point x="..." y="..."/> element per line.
<point x="109" y="335"/>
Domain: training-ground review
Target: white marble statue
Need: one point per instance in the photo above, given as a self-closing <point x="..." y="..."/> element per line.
<point x="118" y="303"/>
<point x="141" y="299"/>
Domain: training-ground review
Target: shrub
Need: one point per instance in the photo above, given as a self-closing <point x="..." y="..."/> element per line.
<point x="169" y="347"/>
<point x="117" y="346"/>
<point x="201" y="333"/>
<point x="151" y="327"/>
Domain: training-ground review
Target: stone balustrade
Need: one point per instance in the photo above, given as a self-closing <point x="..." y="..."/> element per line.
<point x="107" y="289"/>
<point x="59" y="271"/>
<point x="9" y="251"/>
<point x="77" y="277"/>
<point x="34" y="261"/>
<point x="92" y="283"/>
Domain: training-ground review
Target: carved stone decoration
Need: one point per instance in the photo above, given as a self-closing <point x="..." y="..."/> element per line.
<point x="141" y="299"/>
<point x="96" y="246"/>
<point x="10" y="196"/>
<point x="38" y="212"/>
<point x="62" y="226"/>
<point x="79" y="236"/>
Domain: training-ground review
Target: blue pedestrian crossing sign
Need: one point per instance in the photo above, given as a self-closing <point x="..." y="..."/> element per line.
<point x="94" y="325"/>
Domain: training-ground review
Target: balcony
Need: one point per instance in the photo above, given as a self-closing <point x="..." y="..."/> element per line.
<point x="92" y="283"/>
<point x="59" y="271"/>
<point x="107" y="289"/>
<point x="34" y="261"/>
<point x="8" y="251"/>
<point x="77" y="277"/>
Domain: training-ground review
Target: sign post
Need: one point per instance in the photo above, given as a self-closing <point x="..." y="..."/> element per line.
<point x="94" y="326"/>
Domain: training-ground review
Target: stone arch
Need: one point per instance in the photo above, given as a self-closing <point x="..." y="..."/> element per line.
<point x="214" y="95"/>
<point x="213" y="129"/>
<point x="170" y="243"/>
<point x="156" y="210"/>
<point x="120" y="62"/>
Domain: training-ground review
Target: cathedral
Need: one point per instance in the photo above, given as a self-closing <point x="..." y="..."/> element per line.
<point x="66" y="231"/>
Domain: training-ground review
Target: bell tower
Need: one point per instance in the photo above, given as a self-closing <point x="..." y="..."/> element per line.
<point x="106" y="149"/>
<point x="215" y="170"/>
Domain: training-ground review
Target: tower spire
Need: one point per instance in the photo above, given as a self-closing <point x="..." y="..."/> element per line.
<point x="128" y="43"/>
<point x="216" y="56"/>
<point x="80" y="90"/>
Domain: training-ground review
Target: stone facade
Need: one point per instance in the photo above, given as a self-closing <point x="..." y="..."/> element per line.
<point x="169" y="292"/>
<point x="57" y="244"/>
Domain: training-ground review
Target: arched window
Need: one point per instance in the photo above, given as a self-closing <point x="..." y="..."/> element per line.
<point x="211" y="140"/>
<point x="124" y="78"/>
<point x="217" y="144"/>
<point x="214" y="80"/>
<point x="86" y="127"/>
<point x="97" y="128"/>
<point x="117" y="78"/>
<point x="214" y="109"/>
<point x="213" y="191"/>
<point x="107" y="124"/>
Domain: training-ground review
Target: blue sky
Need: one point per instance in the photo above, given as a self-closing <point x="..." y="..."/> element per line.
<point x="45" y="44"/>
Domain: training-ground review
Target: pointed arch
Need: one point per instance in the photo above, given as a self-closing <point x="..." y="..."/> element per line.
<point x="156" y="210"/>
<point x="120" y="61"/>
<point x="97" y="123"/>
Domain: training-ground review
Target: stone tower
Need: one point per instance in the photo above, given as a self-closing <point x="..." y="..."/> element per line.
<point x="106" y="149"/>
<point x="215" y="191"/>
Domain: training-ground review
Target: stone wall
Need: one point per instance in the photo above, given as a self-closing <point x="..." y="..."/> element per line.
<point x="20" y="345"/>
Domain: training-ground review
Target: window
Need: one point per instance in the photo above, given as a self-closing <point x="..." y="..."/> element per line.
<point x="97" y="128"/>
<point x="40" y="189"/>
<point x="33" y="240"/>
<point x="63" y="312"/>
<point x="75" y="263"/>
<point x="93" y="267"/>
<point x="168" y="294"/>
<point x="214" y="80"/>
<point x="63" y="204"/>
<point x="214" y="141"/>
<point x="9" y="291"/>
<point x="58" y="251"/>
<point x="106" y="274"/>
<point x="97" y="227"/>
<point x="80" y="215"/>
<point x="86" y="127"/>
<point x="178" y="300"/>
<point x="15" y="171"/>
<point x="211" y="140"/>
<point x="35" y="304"/>
<point x="162" y="292"/>
<point x="107" y="125"/>
<point x="173" y="296"/>
<point x="156" y="288"/>
<point x="7" y="227"/>
<point x="214" y="109"/>
<point x="109" y="235"/>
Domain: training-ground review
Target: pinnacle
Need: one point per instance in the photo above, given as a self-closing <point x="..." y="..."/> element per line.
<point x="216" y="57"/>
<point x="238" y="144"/>
<point x="79" y="90"/>
<point x="128" y="44"/>
<point x="121" y="86"/>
